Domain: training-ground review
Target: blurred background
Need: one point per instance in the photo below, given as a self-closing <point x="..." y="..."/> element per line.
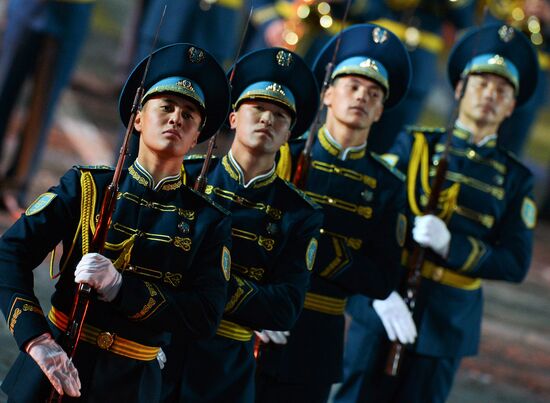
<point x="63" y="63"/>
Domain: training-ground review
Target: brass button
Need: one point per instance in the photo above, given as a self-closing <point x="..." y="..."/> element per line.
<point x="105" y="340"/>
<point x="437" y="275"/>
<point x="471" y="153"/>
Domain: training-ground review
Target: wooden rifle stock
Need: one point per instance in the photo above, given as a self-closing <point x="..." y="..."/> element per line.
<point x="83" y="295"/>
<point x="200" y="182"/>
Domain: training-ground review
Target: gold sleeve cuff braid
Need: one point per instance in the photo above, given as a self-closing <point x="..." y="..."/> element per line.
<point x="324" y="304"/>
<point x="234" y="331"/>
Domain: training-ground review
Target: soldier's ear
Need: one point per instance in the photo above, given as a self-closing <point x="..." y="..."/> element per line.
<point x="458" y="89"/>
<point x="195" y="140"/>
<point x="233" y="120"/>
<point x="137" y="122"/>
<point x="327" y="99"/>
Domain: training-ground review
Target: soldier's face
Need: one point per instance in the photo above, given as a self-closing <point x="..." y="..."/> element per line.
<point x="169" y="125"/>
<point x="354" y="101"/>
<point x="262" y="127"/>
<point x="488" y="100"/>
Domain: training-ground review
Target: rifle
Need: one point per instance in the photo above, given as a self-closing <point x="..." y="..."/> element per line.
<point x="201" y="181"/>
<point x="304" y="160"/>
<point x="83" y="295"/>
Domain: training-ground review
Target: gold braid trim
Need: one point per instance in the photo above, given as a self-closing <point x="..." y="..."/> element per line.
<point x="284" y="166"/>
<point x="87" y="209"/>
<point x="420" y="160"/>
<point x="123" y="260"/>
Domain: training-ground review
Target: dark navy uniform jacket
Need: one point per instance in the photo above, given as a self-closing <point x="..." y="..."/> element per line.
<point x="359" y="248"/>
<point x="490" y="213"/>
<point x="171" y="245"/>
<point x="274" y="241"/>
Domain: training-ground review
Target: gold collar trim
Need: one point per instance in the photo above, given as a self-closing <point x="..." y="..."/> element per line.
<point x="236" y="173"/>
<point x="144" y="178"/>
<point x="464" y="134"/>
<point x="333" y="148"/>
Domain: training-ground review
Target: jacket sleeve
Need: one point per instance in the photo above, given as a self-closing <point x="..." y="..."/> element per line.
<point x="52" y="217"/>
<point x="507" y="255"/>
<point x="375" y="268"/>
<point x="197" y="307"/>
<point x="276" y="302"/>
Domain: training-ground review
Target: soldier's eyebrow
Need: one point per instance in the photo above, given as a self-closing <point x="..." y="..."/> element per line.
<point x="182" y="103"/>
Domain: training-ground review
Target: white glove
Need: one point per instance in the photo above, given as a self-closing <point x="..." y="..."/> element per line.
<point x="55" y="364"/>
<point x="98" y="271"/>
<point x="431" y="232"/>
<point x="274" y="336"/>
<point x="396" y="318"/>
<point x="161" y="358"/>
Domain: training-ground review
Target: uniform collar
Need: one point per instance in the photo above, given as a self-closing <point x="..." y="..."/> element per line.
<point x="144" y="178"/>
<point x="235" y="171"/>
<point x="334" y="148"/>
<point x="463" y="133"/>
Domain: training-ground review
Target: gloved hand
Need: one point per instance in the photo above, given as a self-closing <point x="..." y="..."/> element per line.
<point x="274" y="336"/>
<point x="55" y="363"/>
<point x="431" y="232"/>
<point x="396" y="318"/>
<point x="98" y="271"/>
<point x="161" y="358"/>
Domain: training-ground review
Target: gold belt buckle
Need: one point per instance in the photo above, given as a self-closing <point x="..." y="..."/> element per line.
<point x="105" y="340"/>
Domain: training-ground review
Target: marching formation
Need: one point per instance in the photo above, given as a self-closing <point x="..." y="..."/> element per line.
<point x="331" y="243"/>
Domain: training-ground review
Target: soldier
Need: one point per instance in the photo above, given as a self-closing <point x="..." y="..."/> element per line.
<point x="483" y="227"/>
<point x="43" y="40"/>
<point x="362" y="199"/>
<point x="140" y="297"/>
<point x="211" y="24"/>
<point x="274" y="227"/>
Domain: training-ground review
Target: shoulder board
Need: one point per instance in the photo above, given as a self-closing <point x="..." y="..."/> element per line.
<point x="513" y="157"/>
<point x="199" y="157"/>
<point x="208" y="200"/>
<point x="425" y="129"/>
<point x="396" y="172"/>
<point x="94" y="167"/>
<point x="301" y="194"/>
